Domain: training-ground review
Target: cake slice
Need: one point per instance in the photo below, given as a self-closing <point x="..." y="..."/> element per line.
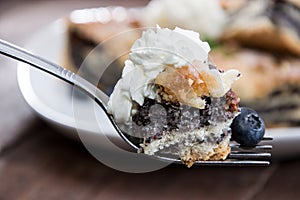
<point x="173" y="99"/>
<point x="271" y="25"/>
<point x="266" y="39"/>
<point x="99" y="30"/>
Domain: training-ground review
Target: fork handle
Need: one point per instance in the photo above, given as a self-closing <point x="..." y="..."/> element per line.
<point x="25" y="56"/>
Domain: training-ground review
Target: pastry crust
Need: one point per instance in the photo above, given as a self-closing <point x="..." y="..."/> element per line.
<point x="219" y="153"/>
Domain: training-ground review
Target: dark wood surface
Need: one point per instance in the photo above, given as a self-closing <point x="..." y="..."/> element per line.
<point x="38" y="162"/>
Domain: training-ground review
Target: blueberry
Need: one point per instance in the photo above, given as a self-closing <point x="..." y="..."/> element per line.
<point x="248" y="128"/>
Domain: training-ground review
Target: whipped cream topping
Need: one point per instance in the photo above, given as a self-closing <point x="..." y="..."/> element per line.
<point x="150" y="55"/>
<point x="204" y="16"/>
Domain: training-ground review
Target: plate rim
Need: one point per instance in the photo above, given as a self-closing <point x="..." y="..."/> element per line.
<point x="24" y="83"/>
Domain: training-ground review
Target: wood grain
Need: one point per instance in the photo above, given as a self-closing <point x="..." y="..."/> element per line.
<point x="46" y="165"/>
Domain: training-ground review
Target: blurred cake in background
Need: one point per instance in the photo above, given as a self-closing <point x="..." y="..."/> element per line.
<point x="272" y="25"/>
<point x="262" y="40"/>
<point x="92" y="30"/>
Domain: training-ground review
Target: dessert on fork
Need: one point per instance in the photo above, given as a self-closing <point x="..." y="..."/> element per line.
<point x="173" y="99"/>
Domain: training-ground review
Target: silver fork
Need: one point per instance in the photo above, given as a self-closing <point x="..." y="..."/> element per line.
<point x="239" y="156"/>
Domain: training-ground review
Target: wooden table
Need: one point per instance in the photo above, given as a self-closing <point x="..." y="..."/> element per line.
<point x="37" y="162"/>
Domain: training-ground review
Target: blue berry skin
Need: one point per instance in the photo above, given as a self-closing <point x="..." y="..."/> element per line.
<point x="247" y="128"/>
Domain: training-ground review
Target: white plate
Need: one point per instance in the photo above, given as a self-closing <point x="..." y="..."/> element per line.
<point x="51" y="98"/>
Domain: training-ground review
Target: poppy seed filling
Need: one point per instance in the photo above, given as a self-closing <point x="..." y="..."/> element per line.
<point x="156" y="118"/>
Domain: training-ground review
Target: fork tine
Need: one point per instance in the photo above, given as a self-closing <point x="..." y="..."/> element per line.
<point x="257" y="155"/>
<point x="231" y="162"/>
<point x="256" y="148"/>
<point x="268" y="137"/>
<point x="243" y="156"/>
<point x="250" y="155"/>
<point x="227" y="162"/>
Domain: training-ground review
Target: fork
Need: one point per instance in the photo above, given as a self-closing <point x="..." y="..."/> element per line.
<point x="257" y="156"/>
